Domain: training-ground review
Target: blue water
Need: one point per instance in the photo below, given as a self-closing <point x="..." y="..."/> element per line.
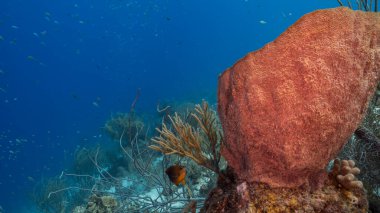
<point x="66" y="66"/>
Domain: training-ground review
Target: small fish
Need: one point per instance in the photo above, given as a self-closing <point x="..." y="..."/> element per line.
<point x="75" y="96"/>
<point x="14" y="27"/>
<point x="31" y="179"/>
<point x="31" y="58"/>
<point x="96" y="104"/>
<point x="176" y="174"/>
<point x="1" y="38"/>
<point x="262" y="22"/>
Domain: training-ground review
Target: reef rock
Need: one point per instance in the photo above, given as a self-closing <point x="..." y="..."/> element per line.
<point x="288" y="108"/>
<point x="233" y="196"/>
<point x="96" y="204"/>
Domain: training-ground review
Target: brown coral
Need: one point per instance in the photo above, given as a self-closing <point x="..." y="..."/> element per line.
<point x="104" y="204"/>
<point x="344" y="172"/>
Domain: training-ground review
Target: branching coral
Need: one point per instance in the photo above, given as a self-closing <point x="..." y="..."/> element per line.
<point x="345" y="171"/>
<point x="199" y="144"/>
<point x="208" y="122"/>
<point x="364" y="148"/>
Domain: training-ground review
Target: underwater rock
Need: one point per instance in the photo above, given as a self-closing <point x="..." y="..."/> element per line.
<point x="104" y="204"/>
<point x="288" y="108"/>
<point x="233" y="196"/>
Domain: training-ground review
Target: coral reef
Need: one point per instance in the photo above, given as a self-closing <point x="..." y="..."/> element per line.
<point x="134" y="175"/>
<point x="82" y="159"/>
<point x="124" y="123"/>
<point x="79" y="209"/>
<point x="96" y="204"/>
<point x="47" y="201"/>
<point x="234" y="195"/>
<point x="289" y="108"/>
<point x="199" y="144"/>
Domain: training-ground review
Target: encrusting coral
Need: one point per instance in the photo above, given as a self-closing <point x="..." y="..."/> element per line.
<point x="235" y="195"/>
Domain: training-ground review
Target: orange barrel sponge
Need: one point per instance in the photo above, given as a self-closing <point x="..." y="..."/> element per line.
<point x="288" y="108"/>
